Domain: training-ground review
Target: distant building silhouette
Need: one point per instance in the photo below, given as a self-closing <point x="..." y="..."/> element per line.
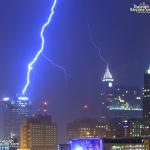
<point x="83" y="128"/>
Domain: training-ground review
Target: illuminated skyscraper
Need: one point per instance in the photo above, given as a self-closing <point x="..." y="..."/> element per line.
<point x="106" y="86"/>
<point x="146" y="100"/>
<point x="38" y="133"/>
<point x="118" y="100"/>
<point x="16" y="109"/>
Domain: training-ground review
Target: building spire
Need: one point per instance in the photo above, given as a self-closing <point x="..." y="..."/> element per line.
<point x="107" y="76"/>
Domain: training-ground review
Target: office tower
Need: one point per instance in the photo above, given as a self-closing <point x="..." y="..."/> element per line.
<point x="117" y="127"/>
<point x="135" y="127"/>
<point x="38" y="133"/>
<point x="106" y="85"/>
<point x="16" y="109"/>
<point x="120" y="101"/>
<point x="146" y="102"/>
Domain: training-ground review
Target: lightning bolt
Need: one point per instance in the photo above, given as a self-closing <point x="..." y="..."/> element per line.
<point x="96" y="47"/>
<point x="57" y="66"/>
<point x="30" y="66"/>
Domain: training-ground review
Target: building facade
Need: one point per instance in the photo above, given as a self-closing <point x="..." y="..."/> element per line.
<point x="83" y="128"/>
<point x="107" y="144"/>
<point x="9" y="144"/>
<point x="38" y="133"/>
<point x="15" y="110"/>
<point x="124" y="144"/>
<point x="106" y="128"/>
<point x="119" y="100"/>
<point x="146" y="101"/>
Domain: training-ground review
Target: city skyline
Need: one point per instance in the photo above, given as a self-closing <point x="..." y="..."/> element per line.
<point x="122" y="36"/>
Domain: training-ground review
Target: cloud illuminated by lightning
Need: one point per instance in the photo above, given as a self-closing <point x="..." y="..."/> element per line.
<point x="30" y="66"/>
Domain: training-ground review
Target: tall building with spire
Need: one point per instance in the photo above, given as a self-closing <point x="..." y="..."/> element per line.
<point x="119" y="101"/>
<point x="107" y="78"/>
<point x="146" y="100"/>
<point x="106" y="85"/>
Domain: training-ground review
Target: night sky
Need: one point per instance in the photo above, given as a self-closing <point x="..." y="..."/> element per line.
<point x="124" y="39"/>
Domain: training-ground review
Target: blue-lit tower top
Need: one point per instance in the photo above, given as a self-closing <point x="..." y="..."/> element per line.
<point x="107" y="78"/>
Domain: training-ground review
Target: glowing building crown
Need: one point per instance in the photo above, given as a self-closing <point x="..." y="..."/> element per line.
<point x="107" y="76"/>
<point x="148" y="70"/>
